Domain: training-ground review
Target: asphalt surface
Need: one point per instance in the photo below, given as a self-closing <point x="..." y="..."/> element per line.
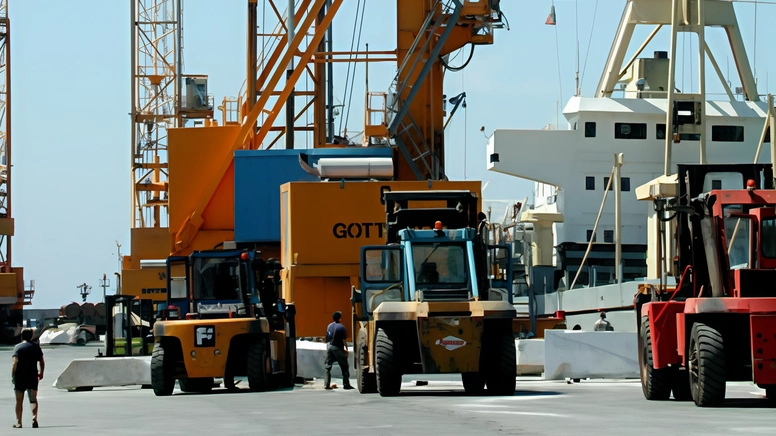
<point x="592" y="407"/>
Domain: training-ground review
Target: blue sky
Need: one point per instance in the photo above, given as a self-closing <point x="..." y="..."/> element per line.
<point x="71" y="99"/>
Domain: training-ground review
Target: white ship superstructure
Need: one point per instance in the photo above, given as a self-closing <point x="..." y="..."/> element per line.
<point x="655" y="126"/>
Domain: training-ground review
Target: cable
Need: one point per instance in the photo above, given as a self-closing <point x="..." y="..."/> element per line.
<point x="590" y="41"/>
<point x="595" y="228"/>
<point x="456" y="69"/>
<point x="347" y="75"/>
<point x="358" y="44"/>
<point x="465" y="120"/>
<point x="755" y="42"/>
<point x="557" y="52"/>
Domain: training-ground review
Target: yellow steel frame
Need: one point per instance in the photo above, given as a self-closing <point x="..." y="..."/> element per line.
<point x="194" y="222"/>
<point x="155" y="95"/>
<point x="7" y="226"/>
<point x="13" y="276"/>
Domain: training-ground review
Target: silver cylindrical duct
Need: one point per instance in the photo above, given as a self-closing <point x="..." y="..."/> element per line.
<point x="349" y="168"/>
<point x="153" y="263"/>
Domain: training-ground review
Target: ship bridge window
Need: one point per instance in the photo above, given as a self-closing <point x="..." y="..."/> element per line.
<point x="589" y="129"/>
<point x="630" y="130"/>
<point x="727" y="133"/>
<point x="608" y="235"/>
<point x="624" y="183"/>
<point x="660" y="133"/>
<point x="590" y="183"/>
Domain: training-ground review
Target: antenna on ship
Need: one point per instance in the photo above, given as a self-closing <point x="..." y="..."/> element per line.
<point x="576" y="30"/>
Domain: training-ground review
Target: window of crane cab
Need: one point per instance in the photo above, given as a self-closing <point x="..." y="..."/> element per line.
<point x="737" y="238"/>
<point x="768" y="237"/>
<point x="217" y="279"/>
<point x="382" y="265"/>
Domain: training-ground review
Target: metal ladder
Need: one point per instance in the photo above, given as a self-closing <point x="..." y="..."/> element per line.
<point x="403" y="128"/>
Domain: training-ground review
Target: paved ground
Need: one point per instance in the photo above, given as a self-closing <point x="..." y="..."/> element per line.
<point x="537" y="408"/>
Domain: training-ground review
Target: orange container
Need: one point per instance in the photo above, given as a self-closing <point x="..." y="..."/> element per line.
<point x="323" y="227"/>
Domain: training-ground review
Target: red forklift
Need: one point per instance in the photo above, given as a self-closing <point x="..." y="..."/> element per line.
<point x="719" y="323"/>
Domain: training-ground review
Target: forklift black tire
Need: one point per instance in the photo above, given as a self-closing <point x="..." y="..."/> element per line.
<point x="473" y="383"/>
<point x="256" y="366"/>
<point x="196" y="385"/>
<point x="707" y="370"/>
<point x="366" y="381"/>
<point x="388" y="371"/>
<point x="289" y="375"/>
<point x="501" y="376"/>
<point x="770" y="394"/>
<point x="162" y="381"/>
<point x="655" y="383"/>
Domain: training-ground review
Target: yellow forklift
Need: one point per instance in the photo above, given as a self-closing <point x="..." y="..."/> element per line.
<point x="223" y="319"/>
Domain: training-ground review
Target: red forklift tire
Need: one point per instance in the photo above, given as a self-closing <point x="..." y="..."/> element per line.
<point x="655" y="383"/>
<point x="388" y="371"/>
<point x="161" y="380"/>
<point x="256" y="366"/>
<point x="707" y="366"/>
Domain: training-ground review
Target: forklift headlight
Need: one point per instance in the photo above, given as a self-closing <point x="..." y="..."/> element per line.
<point x="193" y="354"/>
<point x="217" y="352"/>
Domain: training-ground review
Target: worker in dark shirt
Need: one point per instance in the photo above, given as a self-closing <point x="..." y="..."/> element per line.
<point x="336" y="351"/>
<point x="25" y="375"/>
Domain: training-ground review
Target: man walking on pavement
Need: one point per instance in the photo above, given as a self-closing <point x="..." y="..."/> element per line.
<point x="25" y="375"/>
<point x="336" y="350"/>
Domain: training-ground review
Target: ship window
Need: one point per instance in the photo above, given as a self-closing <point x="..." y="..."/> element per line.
<point x="660" y="131"/>
<point x="590" y="234"/>
<point x="727" y="133"/>
<point x="589" y="130"/>
<point x="608" y="235"/>
<point x="630" y="131"/>
<point x="716" y="184"/>
<point x="624" y="183"/>
<point x="767" y="135"/>
<point x="590" y="183"/>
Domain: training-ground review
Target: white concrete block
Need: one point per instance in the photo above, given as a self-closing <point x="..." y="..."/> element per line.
<point x="105" y="371"/>
<point x="310" y="357"/>
<point x="530" y="356"/>
<point x="578" y="354"/>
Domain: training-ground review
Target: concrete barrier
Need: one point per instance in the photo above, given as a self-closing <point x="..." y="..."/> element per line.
<point x="578" y="354"/>
<point x="530" y="356"/>
<point x="310" y="357"/>
<point x="129" y="371"/>
<point x="105" y="371"/>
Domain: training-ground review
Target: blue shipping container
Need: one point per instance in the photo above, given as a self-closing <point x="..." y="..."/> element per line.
<point x="258" y="175"/>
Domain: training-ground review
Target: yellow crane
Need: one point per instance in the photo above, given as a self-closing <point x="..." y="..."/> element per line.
<point x="14" y="295"/>
<point x="199" y="196"/>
